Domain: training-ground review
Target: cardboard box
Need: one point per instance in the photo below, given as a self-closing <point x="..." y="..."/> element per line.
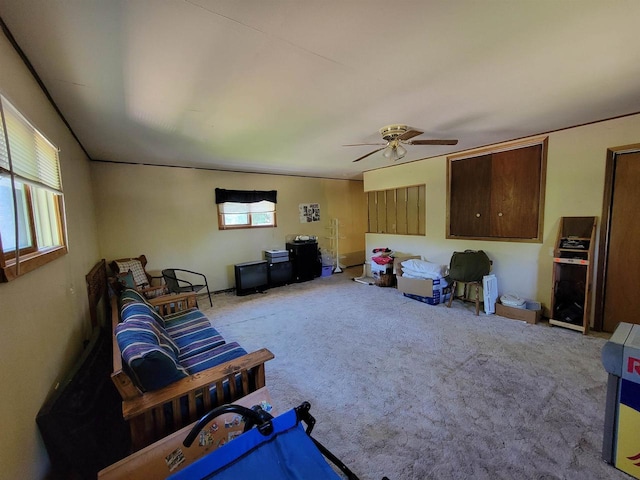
<point x="529" y="316"/>
<point x="378" y="269"/>
<point x="415" y="286"/>
<point x="412" y="286"/>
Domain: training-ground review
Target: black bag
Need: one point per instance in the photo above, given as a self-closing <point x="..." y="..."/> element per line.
<point x="468" y="266"/>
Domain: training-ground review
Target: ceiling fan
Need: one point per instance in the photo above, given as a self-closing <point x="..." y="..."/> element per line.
<point x="396" y="136"/>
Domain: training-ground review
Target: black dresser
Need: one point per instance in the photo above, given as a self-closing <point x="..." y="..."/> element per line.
<point x="305" y="260"/>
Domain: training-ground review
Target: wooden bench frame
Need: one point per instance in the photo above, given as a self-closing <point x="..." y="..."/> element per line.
<point x="145" y="411"/>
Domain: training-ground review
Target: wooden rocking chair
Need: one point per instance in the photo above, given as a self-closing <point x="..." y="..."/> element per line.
<point x="131" y="273"/>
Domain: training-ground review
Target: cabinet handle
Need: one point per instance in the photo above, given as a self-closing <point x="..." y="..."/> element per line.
<point x="477" y="215"/>
<point x="500" y="214"/>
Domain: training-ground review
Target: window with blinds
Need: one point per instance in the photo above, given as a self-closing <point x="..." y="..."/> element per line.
<point x="246" y="208"/>
<point x="32" y="230"/>
<point x="260" y="214"/>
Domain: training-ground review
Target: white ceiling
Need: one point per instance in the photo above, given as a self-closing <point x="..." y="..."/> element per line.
<point x="279" y="86"/>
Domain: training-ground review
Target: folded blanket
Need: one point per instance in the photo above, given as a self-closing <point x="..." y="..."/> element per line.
<point x="424" y="276"/>
<point x="434" y="270"/>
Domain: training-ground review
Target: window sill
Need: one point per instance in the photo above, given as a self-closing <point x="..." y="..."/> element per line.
<point x="241" y="227"/>
<point x="29" y="262"/>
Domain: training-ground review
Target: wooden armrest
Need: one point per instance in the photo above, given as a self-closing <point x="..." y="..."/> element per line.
<point x="165" y="299"/>
<point x="151" y="288"/>
<point x="150" y="400"/>
<point x="174" y="303"/>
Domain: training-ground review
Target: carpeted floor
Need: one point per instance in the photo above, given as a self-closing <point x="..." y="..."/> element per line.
<point x="414" y="391"/>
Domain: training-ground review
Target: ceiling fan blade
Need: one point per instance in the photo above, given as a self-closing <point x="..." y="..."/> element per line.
<point x="433" y="142"/>
<point x="370" y="153"/>
<point x="359" y="144"/>
<point x="410" y="134"/>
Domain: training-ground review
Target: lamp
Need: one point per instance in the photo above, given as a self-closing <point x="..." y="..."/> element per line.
<point x="394" y="151"/>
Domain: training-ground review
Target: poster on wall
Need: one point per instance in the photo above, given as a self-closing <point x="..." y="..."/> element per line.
<point x="309" y="212"/>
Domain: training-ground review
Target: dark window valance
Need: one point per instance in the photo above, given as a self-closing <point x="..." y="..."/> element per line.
<point x="245" y="196"/>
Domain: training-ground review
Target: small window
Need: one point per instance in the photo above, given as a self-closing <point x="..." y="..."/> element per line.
<point x="247" y="215"/>
<point x="31" y="202"/>
<point x="245" y="209"/>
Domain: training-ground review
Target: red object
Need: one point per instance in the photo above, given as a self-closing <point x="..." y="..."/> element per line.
<point x="382" y="260"/>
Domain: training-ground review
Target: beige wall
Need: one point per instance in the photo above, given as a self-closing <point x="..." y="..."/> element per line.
<point x="169" y="214"/>
<point x="43" y="314"/>
<point x="575" y="185"/>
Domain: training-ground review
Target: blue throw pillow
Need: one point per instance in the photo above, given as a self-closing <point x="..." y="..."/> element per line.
<point x="149" y="353"/>
<point x="126" y="279"/>
<point x="155" y="370"/>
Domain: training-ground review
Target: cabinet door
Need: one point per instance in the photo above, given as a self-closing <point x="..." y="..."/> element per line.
<point x="470" y="197"/>
<point x="515" y="192"/>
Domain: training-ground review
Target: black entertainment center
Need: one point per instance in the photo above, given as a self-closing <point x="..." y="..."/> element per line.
<point x="300" y="262"/>
<point x="305" y="260"/>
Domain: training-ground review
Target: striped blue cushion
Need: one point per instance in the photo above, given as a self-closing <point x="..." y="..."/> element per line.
<point x="193" y="334"/>
<point x="196" y="340"/>
<point x="213" y="357"/>
<point x="150" y="354"/>
<point x="175" y="316"/>
<point x="184" y="316"/>
<point x="135" y="310"/>
<point x="145" y="330"/>
<point x="130" y="295"/>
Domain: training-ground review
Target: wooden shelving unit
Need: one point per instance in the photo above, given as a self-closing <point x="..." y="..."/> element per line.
<point x="334" y="240"/>
<point x="572" y="262"/>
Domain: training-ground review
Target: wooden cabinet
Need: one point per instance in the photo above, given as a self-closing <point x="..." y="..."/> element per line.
<point x="470" y="197"/>
<point x="498" y="195"/>
<point x="573" y="258"/>
<point x="399" y="211"/>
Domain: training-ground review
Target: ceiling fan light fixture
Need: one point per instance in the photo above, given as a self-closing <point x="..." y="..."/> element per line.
<point x="395" y="136"/>
<point x="389" y="153"/>
<point x="394" y="152"/>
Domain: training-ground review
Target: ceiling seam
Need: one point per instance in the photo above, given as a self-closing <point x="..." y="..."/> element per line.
<point x="263" y="32"/>
<point x="145" y="164"/>
<point x="40" y="83"/>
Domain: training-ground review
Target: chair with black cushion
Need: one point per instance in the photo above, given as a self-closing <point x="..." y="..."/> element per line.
<point x="467" y="269"/>
<point x="176" y="284"/>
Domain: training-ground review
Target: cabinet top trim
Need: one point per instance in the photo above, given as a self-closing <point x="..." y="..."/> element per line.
<point x="501" y="147"/>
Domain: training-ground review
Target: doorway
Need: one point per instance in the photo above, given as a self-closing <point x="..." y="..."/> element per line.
<point x="618" y="280"/>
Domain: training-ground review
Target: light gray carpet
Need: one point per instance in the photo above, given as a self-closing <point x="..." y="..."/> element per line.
<point x="414" y="391"/>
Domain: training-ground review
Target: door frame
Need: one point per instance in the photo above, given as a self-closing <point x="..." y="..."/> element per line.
<point x="605" y="226"/>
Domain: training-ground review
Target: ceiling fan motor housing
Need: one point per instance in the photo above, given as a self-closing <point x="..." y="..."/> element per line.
<point x="391" y="132"/>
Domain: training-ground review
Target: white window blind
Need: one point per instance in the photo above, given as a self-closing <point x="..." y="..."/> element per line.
<point x="257" y="207"/>
<point x="34" y="159"/>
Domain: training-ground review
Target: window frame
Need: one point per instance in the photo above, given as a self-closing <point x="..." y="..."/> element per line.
<point x="33" y="247"/>
<point x="20" y="261"/>
<point x="245" y="198"/>
<point x="222" y="225"/>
